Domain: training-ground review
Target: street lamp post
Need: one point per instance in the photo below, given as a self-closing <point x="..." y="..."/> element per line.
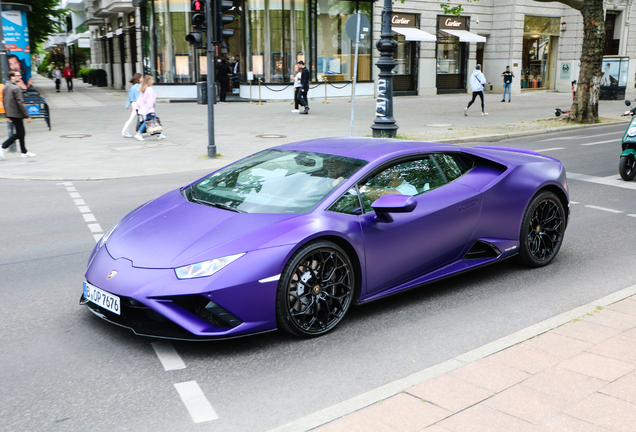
<point x="384" y="123"/>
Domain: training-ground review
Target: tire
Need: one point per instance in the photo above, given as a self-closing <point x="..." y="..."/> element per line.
<point x="542" y="230"/>
<point x="627" y="167"/>
<point x="315" y="290"/>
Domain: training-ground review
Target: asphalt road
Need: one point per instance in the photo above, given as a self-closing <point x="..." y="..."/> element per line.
<point x="63" y="369"/>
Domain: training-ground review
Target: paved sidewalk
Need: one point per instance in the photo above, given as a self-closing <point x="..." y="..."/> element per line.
<point x="85" y="142"/>
<point x="578" y="376"/>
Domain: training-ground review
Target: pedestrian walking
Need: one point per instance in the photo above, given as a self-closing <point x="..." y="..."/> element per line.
<point x="304" y="89"/>
<point x="223" y="77"/>
<point x="16" y="112"/>
<point x="477" y="83"/>
<point x="57" y="77"/>
<point x="508" y="75"/>
<point x="131" y="104"/>
<point x="297" y="87"/>
<point x="68" y="74"/>
<point x="146" y="105"/>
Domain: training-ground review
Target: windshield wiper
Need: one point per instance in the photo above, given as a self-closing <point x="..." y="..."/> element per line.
<point x="217" y="205"/>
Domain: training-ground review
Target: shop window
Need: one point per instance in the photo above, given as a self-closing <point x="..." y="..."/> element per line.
<point x="276" y="39"/>
<point x="448" y="54"/>
<point x="173" y="58"/>
<point x="335" y="51"/>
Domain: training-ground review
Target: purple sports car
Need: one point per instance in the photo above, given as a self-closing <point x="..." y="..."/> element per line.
<point x="290" y="237"/>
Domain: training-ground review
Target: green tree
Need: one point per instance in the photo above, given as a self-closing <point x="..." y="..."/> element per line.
<point x="585" y="104"/>
<point x="44" y="20"/>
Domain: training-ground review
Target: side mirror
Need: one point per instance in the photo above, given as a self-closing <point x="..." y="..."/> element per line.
<point x="627" y="102"/>
<point x="393" y="203"/>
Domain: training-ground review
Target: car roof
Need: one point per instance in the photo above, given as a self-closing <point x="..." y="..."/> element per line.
<point x="368" y="149"/>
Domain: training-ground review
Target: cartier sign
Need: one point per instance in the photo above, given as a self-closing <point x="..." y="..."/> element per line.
<point x="452" y="22"/>
<point x="403" y="20"/>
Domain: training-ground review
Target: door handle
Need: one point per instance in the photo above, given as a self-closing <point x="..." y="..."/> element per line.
<point x="468" y="204"/>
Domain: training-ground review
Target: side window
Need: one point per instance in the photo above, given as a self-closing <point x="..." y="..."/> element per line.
<point x="409" y="178"/>
<point x="453" y="166"/>
<point x="348" y="203"/>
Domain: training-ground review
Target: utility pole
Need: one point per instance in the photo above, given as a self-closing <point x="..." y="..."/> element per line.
<point x="384" y="124"/>
<point x="210" y="52"/>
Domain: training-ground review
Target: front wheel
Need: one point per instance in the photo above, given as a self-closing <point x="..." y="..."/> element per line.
<point x="542" y="230"/>
<point x="315" y="290"/>
<point x="627" y="167"/>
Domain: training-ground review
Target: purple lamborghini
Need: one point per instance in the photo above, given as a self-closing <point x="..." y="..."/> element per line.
<point x="290" y="237"/>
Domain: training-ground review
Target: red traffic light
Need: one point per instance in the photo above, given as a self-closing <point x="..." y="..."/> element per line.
<point x="197" y="6"/>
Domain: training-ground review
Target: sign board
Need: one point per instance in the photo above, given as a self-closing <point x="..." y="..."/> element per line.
<point x="404" y="20"/>
<point x="565" y="70"/>
<point x="33" y="109"/>
<point x="352" y="23"/>
<point x="16" y="41"/>
<point x="452" y="22"/>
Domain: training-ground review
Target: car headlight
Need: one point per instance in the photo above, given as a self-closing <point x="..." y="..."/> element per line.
<point x="205" y="268"/>
<point x="106" y="236"/>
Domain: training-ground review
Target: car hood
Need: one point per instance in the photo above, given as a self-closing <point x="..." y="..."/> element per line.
<point x="171" y="232"/>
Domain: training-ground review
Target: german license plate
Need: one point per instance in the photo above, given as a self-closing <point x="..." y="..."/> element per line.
<point x="102" y="298"/>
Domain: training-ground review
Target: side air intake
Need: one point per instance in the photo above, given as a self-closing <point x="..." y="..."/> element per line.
<point x="481" y="249"/>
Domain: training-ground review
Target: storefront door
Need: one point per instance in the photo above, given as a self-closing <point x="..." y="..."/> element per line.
<point x="539" y="43"/>
<point x="452" y="56"/>
<point x="404" y="74"/>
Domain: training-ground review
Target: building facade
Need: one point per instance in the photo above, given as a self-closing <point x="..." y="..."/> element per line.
<point x="436" y="54"/>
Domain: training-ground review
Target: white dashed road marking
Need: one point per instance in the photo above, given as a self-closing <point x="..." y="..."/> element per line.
<point x="613" y="180"/>
<point x="550" y="149"/>
<point x="196" y="402"/>
<point x="94" y="228"/>
<point x="191" y="394"/>
<point x="601" y="142"/>
<point x="168" y="356"/>
<point x="609" y="210"/>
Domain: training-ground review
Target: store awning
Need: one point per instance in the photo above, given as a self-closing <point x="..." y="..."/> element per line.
<point x="413" y="34"/>
<point x="465" y="36"/>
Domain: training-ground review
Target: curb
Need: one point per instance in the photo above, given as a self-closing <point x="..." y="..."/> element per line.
<point x="501" y="137"/>
<point x="366" y="399"/>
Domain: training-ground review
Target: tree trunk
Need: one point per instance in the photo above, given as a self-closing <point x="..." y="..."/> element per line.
<point x="585" y="105"/>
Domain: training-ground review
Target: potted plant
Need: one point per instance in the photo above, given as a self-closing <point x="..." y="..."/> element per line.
<point x="100" y="78"/>
<point x="90" y="75"/>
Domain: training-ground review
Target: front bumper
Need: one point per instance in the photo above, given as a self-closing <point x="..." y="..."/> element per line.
<point x="155" y="303"/>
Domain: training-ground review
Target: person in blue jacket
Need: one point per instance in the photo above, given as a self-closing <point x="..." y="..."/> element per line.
<point x="131" y="104"/>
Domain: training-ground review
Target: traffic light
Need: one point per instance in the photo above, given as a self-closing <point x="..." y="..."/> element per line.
<point x="197" y="19"/>
<point x="221" y="20"/>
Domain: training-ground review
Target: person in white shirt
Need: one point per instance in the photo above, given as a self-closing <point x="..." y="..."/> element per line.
<point x="477" y="83"/>
<point x="57" y="77"/>
<point x="297" y="86"/>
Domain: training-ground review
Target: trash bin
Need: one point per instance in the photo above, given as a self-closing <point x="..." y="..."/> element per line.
<point x="202" y="92"/>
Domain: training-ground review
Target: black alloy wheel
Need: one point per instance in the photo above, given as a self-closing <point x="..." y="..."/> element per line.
<point x="542" y="230"/>
<point x="315" y="290"/>
<point x="627" y="167"/>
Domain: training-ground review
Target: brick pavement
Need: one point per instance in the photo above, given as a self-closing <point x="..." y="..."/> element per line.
<point x="579" y="376"/>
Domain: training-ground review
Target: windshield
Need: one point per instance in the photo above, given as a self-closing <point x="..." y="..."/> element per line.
<point x="274" y="181"/>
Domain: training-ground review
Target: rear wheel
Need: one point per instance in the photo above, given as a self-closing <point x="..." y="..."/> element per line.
<point x="627" y="167"/>
<point x="542" y="230"/>
<point x="315" y="290"/>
